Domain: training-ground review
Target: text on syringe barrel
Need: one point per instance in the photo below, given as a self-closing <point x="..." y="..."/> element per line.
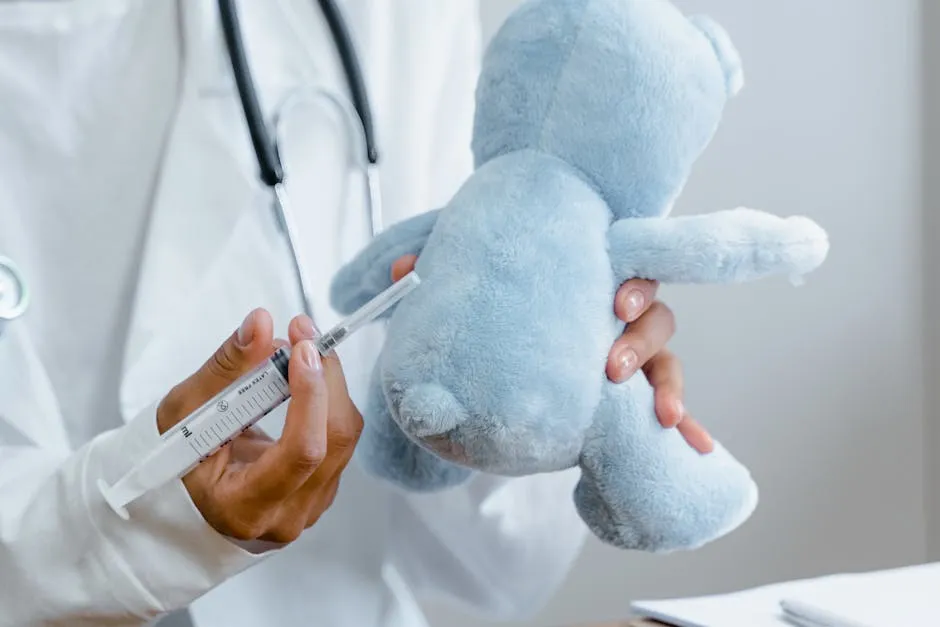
<point x="242" y="404"/>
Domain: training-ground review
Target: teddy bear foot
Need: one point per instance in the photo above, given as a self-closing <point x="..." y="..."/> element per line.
<point x="386" y="452"/>
<point x="427" y="410"/>
<point x="644" y="488"/>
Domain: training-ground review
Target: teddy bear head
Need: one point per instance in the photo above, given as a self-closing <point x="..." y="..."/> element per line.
<point x="627" y="92"/>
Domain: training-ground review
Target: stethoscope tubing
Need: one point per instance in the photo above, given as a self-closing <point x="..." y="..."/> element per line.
<point x="265" y="144"/>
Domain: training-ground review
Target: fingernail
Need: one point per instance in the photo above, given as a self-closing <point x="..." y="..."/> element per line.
<point x="310" y="356"/>
<point x="708" y="444"/>
<point x="628" y="360"/>
<point x="680" y="410"/>
<point x="635" y="300"/>
<point x="246" y="332"/>
<point x="308" y="328"/>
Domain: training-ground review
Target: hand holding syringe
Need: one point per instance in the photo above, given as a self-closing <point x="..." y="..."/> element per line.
<point x="234" y="410"/>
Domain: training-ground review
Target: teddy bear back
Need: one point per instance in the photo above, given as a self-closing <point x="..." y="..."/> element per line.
<point x="629" y="92"/>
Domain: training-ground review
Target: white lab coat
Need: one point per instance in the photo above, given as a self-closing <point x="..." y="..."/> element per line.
<point x="213" y="253"/>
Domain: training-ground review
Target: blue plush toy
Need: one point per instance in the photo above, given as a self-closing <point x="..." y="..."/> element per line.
<point x="590" y="114"/>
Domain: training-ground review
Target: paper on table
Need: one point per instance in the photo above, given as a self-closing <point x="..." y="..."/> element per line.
<point x="892" y="598"/>
<point x="758" y="607"/>
<point x="799" y="621"/>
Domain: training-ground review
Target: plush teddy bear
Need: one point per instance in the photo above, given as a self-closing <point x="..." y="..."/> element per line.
<point x="590" y="114"/>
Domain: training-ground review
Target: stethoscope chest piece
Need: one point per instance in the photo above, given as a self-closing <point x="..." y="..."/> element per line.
<point x="14" y="294"/>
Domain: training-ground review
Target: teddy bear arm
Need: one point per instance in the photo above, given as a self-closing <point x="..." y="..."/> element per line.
<point x="643" y="487"/>
<point x="369" y="273"/>
<point x="729" y="246"/>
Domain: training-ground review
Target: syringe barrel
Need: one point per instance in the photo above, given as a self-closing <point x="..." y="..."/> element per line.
<point x="205" y="431"/>
<point x="238" y="407"/>
<point x="259" y="392"/>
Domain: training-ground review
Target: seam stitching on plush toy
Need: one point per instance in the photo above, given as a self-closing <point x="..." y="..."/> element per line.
<point x="561" y="70"/>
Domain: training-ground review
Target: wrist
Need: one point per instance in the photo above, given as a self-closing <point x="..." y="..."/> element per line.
<point x="166" y="555"/>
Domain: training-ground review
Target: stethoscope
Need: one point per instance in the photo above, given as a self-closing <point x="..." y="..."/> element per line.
<point x="266" y="144"/>
<point x="14" y="291"/>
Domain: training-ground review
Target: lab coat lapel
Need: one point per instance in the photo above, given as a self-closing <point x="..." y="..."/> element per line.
<point x="212" y="251"/>
<point x="29" y="413"/>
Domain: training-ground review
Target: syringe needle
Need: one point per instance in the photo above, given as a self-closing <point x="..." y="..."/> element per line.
<point x="367" y="313"/>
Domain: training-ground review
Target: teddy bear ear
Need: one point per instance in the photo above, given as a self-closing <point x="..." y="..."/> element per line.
<point x="727" y="54"/>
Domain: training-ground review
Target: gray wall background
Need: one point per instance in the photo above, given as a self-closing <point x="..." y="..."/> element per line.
<point x="930" y="149"/>
<point x="823" y="391"/>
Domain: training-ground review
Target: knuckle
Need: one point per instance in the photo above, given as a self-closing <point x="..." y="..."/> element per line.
<point x="356" y="426"/>
<point x="171" y="407"/>
<point x="662" y="362"/>
<point x="309" y="458"/>
<point x="670" y="360"/>
<point x="226" y="361"/>
<point x="330" y="496"/>
<point x="314" y="516"/>
<point x="641" y="346"/>
<point x="243" y="529"/>
<point x="286" y="532"/>
<point x="347" y="435"/>
<point x="665" y="316"/>
<point x="323" y="502"/>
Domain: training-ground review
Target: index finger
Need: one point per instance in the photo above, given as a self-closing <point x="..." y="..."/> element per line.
<point x="286" y="466"/>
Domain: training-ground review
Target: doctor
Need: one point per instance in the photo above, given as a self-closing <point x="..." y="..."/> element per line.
<point x="129" y="197"/>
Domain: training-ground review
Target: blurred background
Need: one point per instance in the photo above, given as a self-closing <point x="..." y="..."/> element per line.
<point x="828" y="391"/>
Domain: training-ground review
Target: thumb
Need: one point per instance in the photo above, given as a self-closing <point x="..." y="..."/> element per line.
<point x="243" y="350"/>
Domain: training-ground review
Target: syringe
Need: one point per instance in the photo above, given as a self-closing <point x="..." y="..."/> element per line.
<point x="234" y="410"/>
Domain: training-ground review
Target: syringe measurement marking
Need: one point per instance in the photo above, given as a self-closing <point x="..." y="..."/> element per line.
<point x="198" y="449"/>
<point x="203" y="444"/>
<point x="238" y="418"/>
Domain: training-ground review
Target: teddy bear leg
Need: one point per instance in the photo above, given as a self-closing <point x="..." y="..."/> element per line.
<point x="385" y="451"/>
<point x="643" y="487"/>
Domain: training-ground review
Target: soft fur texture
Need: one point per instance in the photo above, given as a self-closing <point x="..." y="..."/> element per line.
<point x="590" y="114"/>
